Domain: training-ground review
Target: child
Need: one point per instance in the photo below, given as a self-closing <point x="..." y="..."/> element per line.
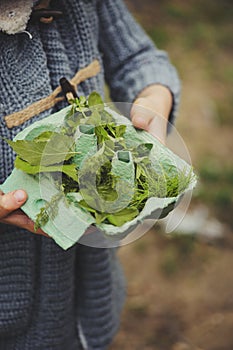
<point x="50" y="298"/>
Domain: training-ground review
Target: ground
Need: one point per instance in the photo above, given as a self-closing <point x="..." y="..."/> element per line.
<point x="180" y="287"/>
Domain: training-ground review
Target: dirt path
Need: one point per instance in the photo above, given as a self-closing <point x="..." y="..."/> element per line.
<point x="180" y="295"/>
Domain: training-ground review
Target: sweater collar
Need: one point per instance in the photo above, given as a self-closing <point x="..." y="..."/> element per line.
<point x="14" y="15"/>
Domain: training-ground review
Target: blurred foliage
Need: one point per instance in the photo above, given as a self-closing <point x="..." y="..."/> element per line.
<point x="216" y="188"/>
<point x="177" y="253"/>
<point x="188" y="29"/>
<point x="211" y="171"/>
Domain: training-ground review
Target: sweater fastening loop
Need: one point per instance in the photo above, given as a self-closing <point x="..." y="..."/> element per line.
<point x="45" y="15"/>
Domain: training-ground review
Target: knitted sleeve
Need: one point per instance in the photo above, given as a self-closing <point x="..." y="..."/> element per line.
<point x="131" y="60"/>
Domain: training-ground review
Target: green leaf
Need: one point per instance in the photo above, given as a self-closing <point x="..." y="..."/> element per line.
<point x="82" y="101"/>
<point x="123" y="216"/>
<point x="56" y="150"/>
<point x="84" y="205"/>
<point x="108" y="131"/>
<point x="100" y="217"/>
<point x="94" y="119"/>
<point x="141" y="151"/>
<point x="101" y="133"/>
<point x="119" y="130"/>
<point x="48" y="212"/>
<point x="68" y="169"/>
<point x="109" y="147"/>
<point x="95" y="99"/>
<point x="41" y="219"/>
<point x="106" y="117"/>
<point x="44" y="136"/>
<point x="71" y="122"/>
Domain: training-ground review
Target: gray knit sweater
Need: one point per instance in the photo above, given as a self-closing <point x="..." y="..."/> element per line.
<point x="52" y="299"/>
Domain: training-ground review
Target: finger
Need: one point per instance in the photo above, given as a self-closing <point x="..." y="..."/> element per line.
<point x="141" y="117"/>
<point x="18" y="218"/>
<point x="11" y="201"/>
<point x="158" y="128"/>
<point x="146" y="119"/>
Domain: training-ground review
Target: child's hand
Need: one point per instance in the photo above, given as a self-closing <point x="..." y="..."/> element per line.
<point x="11" y="214"/>
<point x="151" y="110"/>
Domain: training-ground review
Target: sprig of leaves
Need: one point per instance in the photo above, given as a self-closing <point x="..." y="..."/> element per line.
<point x="48" y="212"/>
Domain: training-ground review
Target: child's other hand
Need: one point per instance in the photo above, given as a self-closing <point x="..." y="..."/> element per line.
<point x="151" y="110"/>
<point x="11" y="214"/>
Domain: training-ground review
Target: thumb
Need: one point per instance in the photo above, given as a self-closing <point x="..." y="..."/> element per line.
<point x="141" y="115"/>
<point x="147" y="119"/>
<point x="11" y="201"/>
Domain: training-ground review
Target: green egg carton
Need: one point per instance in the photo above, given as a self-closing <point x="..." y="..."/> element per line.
<point x="121" y="161"/>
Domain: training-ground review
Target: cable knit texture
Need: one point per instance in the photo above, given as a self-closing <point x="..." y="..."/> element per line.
<point x="52" y="299"/>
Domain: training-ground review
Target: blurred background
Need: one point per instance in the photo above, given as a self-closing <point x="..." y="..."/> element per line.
<point x="180" y="286"/>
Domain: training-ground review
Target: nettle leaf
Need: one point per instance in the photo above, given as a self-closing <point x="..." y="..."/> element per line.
<point x="115" y="131"/>
<point x="71" y="122"/>
<point x="68" y="169"/>
<point x="106" y="117"/>
<point x="101" y="133"/>
<point x="142" y="151"/>
<point x="95" y="99"/>
<point x="119" y="130"/>
<point x="94" y="119"/>
<point x="56" y="150"/>
<point x="81" y="101"/>
<point x="44" y="136"/>
<point x="100" y="217"/>
<point x="84" y="205"/>
<point x="48" y="212"/>
<point x="122" y="216"/>
<point x="109" y="148"/>
<point x="110" y="131"/>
